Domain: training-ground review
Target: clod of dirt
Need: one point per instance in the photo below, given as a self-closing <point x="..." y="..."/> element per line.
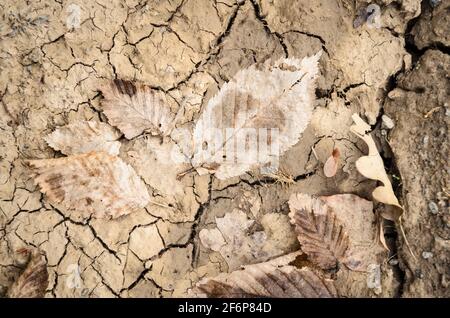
<point x="421" y="150"/>
<point x="432" y="27"/>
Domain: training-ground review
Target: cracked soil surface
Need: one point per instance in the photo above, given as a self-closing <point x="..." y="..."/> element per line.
<point x="49" y="77"/>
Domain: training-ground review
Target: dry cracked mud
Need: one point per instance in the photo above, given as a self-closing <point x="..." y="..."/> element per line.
<point x="51" y="63"/>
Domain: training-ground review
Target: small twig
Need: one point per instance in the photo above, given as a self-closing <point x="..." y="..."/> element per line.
<point x="282" y="178"/>
<point x="406" y="240"/>
<point x="314" y="153"/>
<point x="182" y="174"/>
<point x="160" y="204"/>
<point x="431" y="112"/>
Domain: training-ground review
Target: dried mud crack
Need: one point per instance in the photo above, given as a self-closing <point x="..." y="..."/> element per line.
<point x="55" y="59"/>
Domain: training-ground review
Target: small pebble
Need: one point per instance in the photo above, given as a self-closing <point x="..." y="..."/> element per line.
<point x="85" y="292"/>
<point x="418" y="273"/>
<point x="434" y="209"/>
<point x="22" y="259"/>
<point x="434" y="3"/>
<point x="393" y="262"/>
<point x="387" y="122"/>
<point x="425" y="140"/>
<point x="444" y="282"/>
<point x="427" y="255"/>
<point x="374" y="278"/>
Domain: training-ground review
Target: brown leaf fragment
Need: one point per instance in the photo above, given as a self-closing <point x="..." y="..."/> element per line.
<point x="33" y="281"/>
<point x="135" y="108"/>
<point x="381" y="234"/>
<point x="95" y="184"/>
<point x="83" y="137"/>
<point x="331" y="165"/>
<point x="321" y="236"/>
<point x="269" y="279"/>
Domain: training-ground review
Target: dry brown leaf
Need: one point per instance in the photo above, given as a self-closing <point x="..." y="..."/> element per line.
<point x="372" y="167"/>
<point x="255" y="117"/>
<point x="331" y="165"/>
<point x="271" y="279"/>
<point x="96" y="184"/>
<point x="137" y="108"/>
<point x="323" y="226"/>
<point x="83" y="137"/>
<point x="321" y="236"/>
<point x="33" y="282"/>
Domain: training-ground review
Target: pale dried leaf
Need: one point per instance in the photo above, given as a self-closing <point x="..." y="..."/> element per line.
<point x="372" y="167"/>
<point x="357" y="216"/>
<point x="96" y="184"/>
<point x="137" y="108"/>
<point x="33" y="281"/>
<point x="212" y="239"/>
<point x="83" y="137"/>
<point x="255" y="117"/>
<point x="321" y="236"/>
<point x="381" y="234"/>
<point x="270" y="279"/>
<point x="249" y="237"/>
<point x="156" y="161"/>
<point x="336" y="229"/>
<point x="241" y="247"/>
<point x="331" y="165"/>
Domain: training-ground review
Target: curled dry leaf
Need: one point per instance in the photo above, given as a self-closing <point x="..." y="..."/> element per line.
<point x="270" y="279"/>
<point x="372" y="167"/>
<point x="33" y="282"/>
<point x="381" y="233"/>
<point x="255" y="117"/>
<point x="137" y="108"/>
<point x="336" y="229"/>
<point x="331" y="165"/>
<point x="96" y="184"/>
<point x="83" y="137"/>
